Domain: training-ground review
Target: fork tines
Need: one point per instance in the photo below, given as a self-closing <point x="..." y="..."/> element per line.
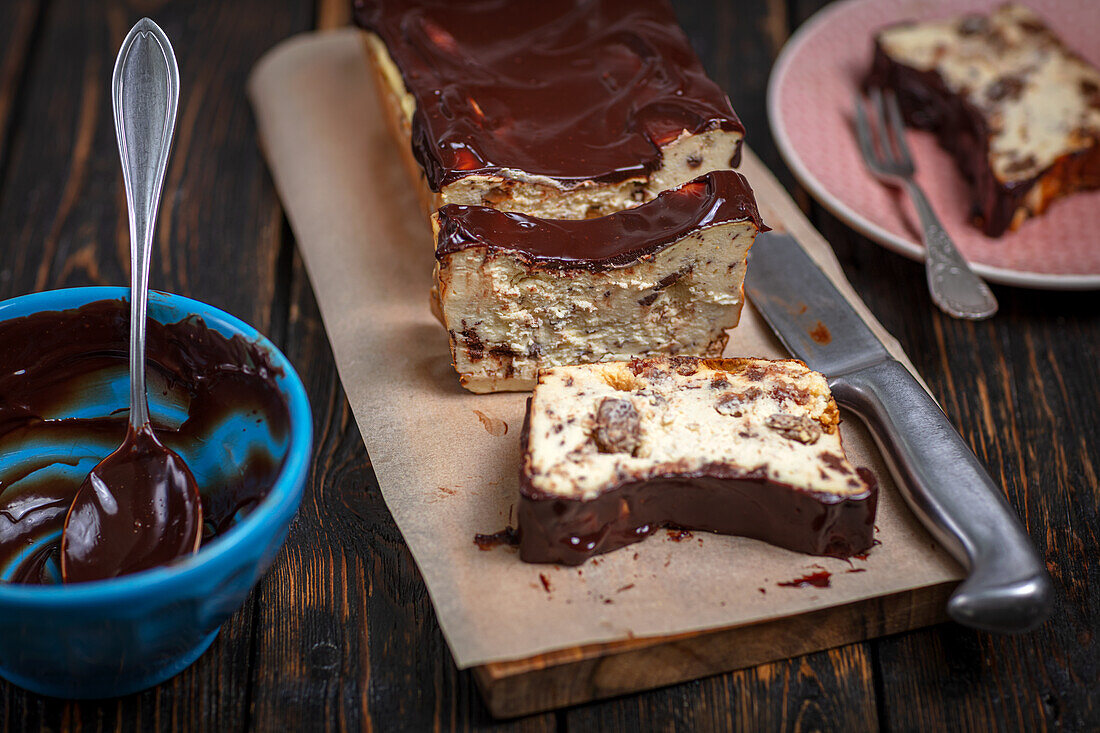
<point x="891" y="157"/>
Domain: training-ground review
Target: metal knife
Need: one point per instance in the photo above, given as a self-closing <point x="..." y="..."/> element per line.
<point x="1007" y="588"/>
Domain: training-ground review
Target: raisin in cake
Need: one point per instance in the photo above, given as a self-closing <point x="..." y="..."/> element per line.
<point x="557" y="109"/>
<point x="1018" y="109"/>
<point x="612" y="452"/>
<point x="518" y="293"/>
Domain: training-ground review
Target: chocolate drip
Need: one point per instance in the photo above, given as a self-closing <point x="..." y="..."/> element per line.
<point x="606" y="242"/>
<point x="46" y="362"/>
<point x="572" y="91"/>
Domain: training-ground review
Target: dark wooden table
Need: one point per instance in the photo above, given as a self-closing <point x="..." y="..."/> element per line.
<point x="341" y="633"/>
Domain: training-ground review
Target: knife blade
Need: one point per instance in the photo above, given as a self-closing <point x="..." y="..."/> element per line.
<point x="1007" y="588"/>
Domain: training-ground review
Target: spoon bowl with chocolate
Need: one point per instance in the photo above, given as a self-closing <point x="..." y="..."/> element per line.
<point x="139" y="507"/>
<point x="220" y="396"/>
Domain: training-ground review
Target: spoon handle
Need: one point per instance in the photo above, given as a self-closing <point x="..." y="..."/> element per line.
<point x="145" y="93"/>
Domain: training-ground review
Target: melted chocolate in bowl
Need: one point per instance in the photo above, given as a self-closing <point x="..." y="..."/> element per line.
<point x="63" y="407"/>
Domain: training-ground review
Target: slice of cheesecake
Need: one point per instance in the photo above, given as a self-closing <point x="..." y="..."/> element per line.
<point x="517" y="293"/>
<point x="751" y="447"/>
<point x="1018" y="109"/>
<point x="557" y="109"/>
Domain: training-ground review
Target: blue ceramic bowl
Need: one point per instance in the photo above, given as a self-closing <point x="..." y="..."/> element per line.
<point x="119" y="636"/>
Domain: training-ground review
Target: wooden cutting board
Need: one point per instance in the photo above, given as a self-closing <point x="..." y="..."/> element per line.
<point x="596" y="671"/>
<point x="592" y="672"/>
<point x="692" y="608"/>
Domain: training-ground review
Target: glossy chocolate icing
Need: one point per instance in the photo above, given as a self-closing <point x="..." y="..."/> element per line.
<point x="719" y="498"/>
<point x="46" y="360"/>
<point x="575" y="91"/>
<point x="606" y="242"/>
<point x="139" y="508"/>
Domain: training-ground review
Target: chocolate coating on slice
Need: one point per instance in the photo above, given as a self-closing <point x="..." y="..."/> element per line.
<point x="608" y="241"/>
<point x="748" y="447"/>
<point x="568" y="90"/>
<point x="960" y="128"/>
<point x="556" y="529"/>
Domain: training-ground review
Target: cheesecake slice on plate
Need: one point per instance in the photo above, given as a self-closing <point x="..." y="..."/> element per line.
<point x="1018" y="110"/>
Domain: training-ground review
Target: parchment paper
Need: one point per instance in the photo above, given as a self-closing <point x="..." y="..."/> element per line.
<point x="447" y="460"/>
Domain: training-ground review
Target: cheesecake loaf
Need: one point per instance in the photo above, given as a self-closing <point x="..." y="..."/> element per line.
<point x="1018" y="109"/>
<point x="517" y="293"/>
<point x="558" y="109"/>
<point x="612" y="452"/>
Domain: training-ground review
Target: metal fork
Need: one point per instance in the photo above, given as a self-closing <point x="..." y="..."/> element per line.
<point x="953" y="285"/>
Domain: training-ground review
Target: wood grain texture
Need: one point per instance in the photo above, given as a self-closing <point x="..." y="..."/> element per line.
<point x="771" y="697"/>
<point x="18" y="20"/>
<point x="63" y="208"/>
<point x="341" y="633"/>
<point x="63" y="223"/>
<point x="605" y="670"/>
<point x="345" y="632"/>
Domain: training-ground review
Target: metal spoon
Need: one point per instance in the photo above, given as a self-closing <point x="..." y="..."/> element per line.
<point x="140" y="507"/>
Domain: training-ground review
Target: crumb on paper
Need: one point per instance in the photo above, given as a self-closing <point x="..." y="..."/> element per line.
<point x="509" y="537"/>
<point x="493" y="425"/>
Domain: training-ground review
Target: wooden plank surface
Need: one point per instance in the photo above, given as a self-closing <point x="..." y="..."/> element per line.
<point x="63" y="223"/>
<point x="570" y="676"/>
<point x="18" y="22"/>
<point x="345" y="632"/>
<point x="341" y="634"/>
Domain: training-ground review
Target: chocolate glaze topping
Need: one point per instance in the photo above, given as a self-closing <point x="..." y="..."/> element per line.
<point x="49" y="358"/>
<point x="575" y="91"/>
<point x="717" y="499"/>
<point x="606" y="242"/>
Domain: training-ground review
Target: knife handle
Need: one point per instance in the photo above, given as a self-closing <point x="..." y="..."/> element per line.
<point x="1007" y="588"/>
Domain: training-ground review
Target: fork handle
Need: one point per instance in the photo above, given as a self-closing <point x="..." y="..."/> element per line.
<point x="953" y="285"/>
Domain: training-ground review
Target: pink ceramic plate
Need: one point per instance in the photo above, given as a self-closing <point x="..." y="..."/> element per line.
<point x="810" y="97"/>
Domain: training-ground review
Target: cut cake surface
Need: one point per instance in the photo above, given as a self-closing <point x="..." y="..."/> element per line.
<point x="518" y="293"/>
<point x="751" y="447"/>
